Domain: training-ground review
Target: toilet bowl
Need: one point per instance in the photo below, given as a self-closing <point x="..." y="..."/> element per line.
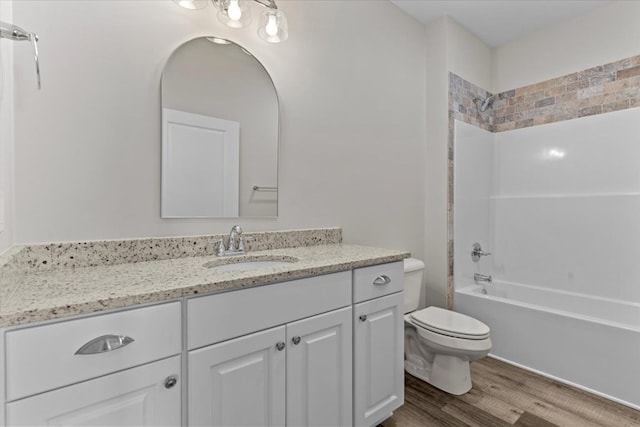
<point x="439" y="343"/>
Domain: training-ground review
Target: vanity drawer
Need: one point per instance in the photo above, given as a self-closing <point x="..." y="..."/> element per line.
<point x="44" y="357"/>
<point x="377" y="280"/>
<point x="219" y="317"/>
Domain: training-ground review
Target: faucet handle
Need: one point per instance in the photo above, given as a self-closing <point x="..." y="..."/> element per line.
<point x="220" y="243"/>
<point x="477" y="252"/>
<point x="243" y="240"/>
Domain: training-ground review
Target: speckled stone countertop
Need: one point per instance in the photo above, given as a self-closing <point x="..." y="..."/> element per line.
<point x="34" y="295"/>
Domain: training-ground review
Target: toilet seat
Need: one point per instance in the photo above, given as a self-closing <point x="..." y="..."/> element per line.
<point x="450" y="323"/>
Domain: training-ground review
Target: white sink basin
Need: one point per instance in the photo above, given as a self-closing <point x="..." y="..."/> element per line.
<point x="250" y="263"/>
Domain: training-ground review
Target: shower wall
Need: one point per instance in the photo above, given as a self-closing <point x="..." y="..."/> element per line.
<point x="474" y="157"/>
<point x="557" y="204"/>
<point x="564" y="177"/>
<point x="565" y="205"/>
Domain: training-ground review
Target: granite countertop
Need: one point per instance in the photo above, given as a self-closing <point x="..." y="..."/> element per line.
<point x="37" y="295"/>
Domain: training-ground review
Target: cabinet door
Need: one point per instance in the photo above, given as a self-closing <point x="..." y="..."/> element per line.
<point x="319" y="370"/>
<point x="135" y="397"/>
<point x="378" y="356"/>
<point x="240" y="382"/>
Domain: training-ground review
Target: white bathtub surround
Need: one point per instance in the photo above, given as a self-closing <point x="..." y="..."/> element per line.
<point x="562" y="201"/>
<point x="566" y="203"/>
<point x="600" y="89"/>
<point x="474" y="172"/>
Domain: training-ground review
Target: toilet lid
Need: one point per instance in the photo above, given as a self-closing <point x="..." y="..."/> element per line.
<point x="450" y="323"/>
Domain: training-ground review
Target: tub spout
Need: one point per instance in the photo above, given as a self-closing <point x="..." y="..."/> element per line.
<point x="482" y="278"/>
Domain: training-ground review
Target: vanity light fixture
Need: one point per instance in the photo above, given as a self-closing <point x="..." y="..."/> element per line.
<point x="236" y="14"/>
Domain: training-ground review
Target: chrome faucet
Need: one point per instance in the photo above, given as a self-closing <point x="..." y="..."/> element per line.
<point x="236" y="243"/>
<point x="234" y="234"/>
<point x="477" y="277"/>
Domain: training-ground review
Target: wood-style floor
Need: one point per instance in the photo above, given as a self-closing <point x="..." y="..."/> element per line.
<point x="503" y="395"/>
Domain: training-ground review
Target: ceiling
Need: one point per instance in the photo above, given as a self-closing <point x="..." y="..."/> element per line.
<point x="499" y="21"/>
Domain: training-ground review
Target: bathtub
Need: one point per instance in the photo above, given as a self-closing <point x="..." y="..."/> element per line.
<point x="591" y="343"/>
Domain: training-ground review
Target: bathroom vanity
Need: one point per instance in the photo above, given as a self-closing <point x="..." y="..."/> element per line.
<point x="317" y="341"/>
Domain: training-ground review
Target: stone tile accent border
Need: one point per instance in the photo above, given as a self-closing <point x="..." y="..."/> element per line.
<point x="57" y="256"/>
<point x="601" y="89"/>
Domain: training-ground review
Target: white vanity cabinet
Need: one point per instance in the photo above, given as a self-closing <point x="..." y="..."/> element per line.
<point x="135" y="397"/>
<point x="325" y="350"/>
<point x="239" y="382"/>
<point x="378" y="345"/>
<point x="121" y="368"/>
<point x="297" y="372"/>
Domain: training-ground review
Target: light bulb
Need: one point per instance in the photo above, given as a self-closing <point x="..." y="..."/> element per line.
<point x="234" y="11"/>
<point x="272" y="26"/>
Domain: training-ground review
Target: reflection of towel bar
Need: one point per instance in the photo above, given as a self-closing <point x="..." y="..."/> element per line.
<point x="258" y="188"/>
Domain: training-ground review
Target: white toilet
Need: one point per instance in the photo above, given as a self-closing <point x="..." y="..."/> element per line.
<point x="438" y="343"/>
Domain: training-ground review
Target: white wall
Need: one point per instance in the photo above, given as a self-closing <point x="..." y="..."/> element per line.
<point x="606" y="34"/>
<point x="450" y="48"/>
<point x="352" y="132"/>
<point x="6" y="131"/>
<point x="468" y="56"/>
<point x="435" y="238"/>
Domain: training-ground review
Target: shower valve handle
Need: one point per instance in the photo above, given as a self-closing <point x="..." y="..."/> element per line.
<point x="477" y="252"/>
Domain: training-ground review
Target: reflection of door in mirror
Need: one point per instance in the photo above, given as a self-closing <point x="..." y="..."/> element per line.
<point x="203" y="80"/>
<point x="200" y="167"/>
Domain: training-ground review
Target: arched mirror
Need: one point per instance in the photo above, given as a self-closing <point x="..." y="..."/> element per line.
<point x="219" y="133"/>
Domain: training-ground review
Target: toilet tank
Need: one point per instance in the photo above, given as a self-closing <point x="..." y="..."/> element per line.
<point x="412" y="283"/>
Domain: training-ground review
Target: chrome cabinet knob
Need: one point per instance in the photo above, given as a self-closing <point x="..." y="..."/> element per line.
<point x="363" y="317"/>
<point x="280" y="346"/>
<point x="170" y="381"/>
<point x="296" y="340"/>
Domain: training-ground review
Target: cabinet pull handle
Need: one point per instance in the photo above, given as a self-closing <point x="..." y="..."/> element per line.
<point x="104" y="344"/>
<point x="296" y="340"/>
<point x="382" y="280"/>
<point x="170" y="381"/>
<point x="363" y="317"/>
<point x="280" y="346"/>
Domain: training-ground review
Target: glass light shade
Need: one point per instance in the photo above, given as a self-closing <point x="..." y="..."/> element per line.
<point x="234" y="13"/>
<point x="192" y="4"/>
<point x="273" y="26"/>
